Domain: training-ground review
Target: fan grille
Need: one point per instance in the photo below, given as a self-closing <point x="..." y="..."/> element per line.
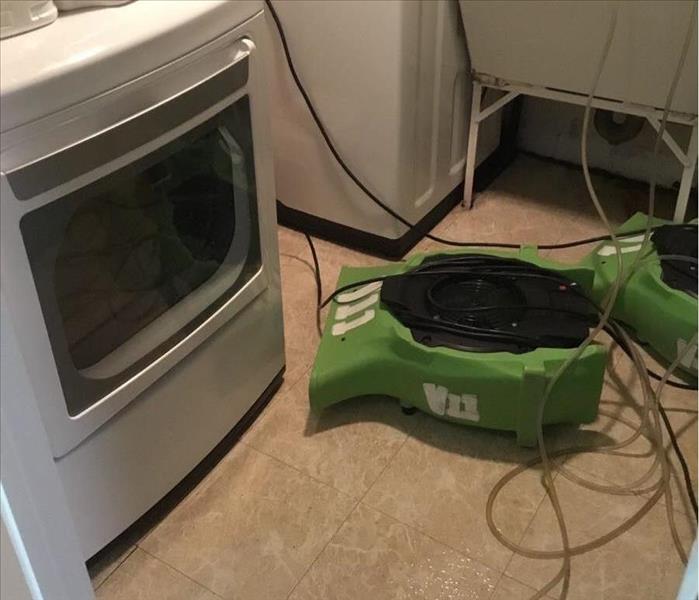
<point x="492" y="302"/>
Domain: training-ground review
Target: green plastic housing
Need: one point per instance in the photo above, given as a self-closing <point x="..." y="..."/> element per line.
<point x="365" y="351"/>
<point x="662" y="317"/>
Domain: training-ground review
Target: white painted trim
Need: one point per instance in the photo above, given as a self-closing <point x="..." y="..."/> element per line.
<point x="687" y="178"/>
<point x="688" y="159"/>
<point x="670" y="142"/>
<point x="581" y="99"/>
<point x="496" y="106"/>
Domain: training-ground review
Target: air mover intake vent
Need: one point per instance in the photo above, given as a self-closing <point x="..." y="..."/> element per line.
<point x="485" y="303"/>
<point x="479" y="302"/>
<point x="678" y="241"/>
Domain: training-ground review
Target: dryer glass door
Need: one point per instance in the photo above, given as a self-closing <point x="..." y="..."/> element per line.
<point x="127" y="267"/>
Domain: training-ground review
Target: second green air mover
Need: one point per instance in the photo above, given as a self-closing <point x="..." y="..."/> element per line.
<point x="658" y="304"/>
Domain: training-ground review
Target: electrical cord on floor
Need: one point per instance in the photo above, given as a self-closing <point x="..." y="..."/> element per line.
<point x="319" y="282"/>
<point x="340" y="161"/>
<point x="681" y="458"/>
<point x="592" y="240"/>
<point x="681" y="385"/>
<point x="614" y="334"/>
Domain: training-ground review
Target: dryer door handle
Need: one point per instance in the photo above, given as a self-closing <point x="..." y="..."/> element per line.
<point x="30" y="180"/>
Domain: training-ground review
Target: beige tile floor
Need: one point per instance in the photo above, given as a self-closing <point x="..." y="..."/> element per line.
<point x="364" y="502"/>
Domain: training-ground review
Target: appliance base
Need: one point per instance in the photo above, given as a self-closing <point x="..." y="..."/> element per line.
<point x="124" y="468"/>
<point x="163" y="507"/>
<point x="396" y="248"/>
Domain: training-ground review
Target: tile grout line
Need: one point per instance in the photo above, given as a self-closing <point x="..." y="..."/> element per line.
<point x="447" y="545"/>
<point x="356" y="504"/>
<point x="292" y="384"/>
<point x="410" y="526"/>
<point x="292" y="232"/>
<point x="178" y="571"/>
<point x="299" y="471"/>
<point x="252" y="446"/>
<point x="419" y="530"/>
<point x="116" y="568"/>
<point x="512" y="554"/>
<point x="277" y="397"/>
<point x="435" y="540"/>
<point x="662" y="500"/>
<point x="317" y="556"/>
<point x="524" y="534"/>
<point x="138" y="544"/>
<point x="306" y="475"/>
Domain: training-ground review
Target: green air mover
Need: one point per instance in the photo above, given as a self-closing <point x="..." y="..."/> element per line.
<point x="658" y="304"/>
<point x="474" y="337"/>
<point x="469" y="337"/>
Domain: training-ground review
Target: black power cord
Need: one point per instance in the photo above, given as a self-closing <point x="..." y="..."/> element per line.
<point x="613" y="333"/>
<point x="479" y="266"/>
<point x="612" y="330"/>
<point x="340" y="161"/>
<point x="319" y="282"/>
<point x="681" y="458"/>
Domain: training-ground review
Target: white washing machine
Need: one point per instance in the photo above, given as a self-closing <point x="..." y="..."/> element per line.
<point x="391" y="83"/>
<point x="139" y="256"/>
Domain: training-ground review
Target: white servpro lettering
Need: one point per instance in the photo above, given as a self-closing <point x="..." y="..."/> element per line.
<point x="356" y="308"/>
<point x="626" y="245"/>
<point x="458" y="406"/>
<point x="349" y="310"/>
<point x="611" y="250"/>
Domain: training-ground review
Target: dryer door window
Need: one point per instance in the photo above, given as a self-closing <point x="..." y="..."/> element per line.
<point x="128" y="266"/>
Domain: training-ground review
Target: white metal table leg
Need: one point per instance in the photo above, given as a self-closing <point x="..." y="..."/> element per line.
<point x="687" y="177"/>
<point x="472" y="144"/>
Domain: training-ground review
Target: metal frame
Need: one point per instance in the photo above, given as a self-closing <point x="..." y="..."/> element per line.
<point x="687" y="158"/>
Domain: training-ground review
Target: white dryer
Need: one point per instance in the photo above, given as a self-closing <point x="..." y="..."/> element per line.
<point x="391" y="83"/>
<point x="139" y="256"/>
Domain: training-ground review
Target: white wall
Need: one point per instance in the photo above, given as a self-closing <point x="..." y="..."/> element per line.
<point x="553" y="129"/>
